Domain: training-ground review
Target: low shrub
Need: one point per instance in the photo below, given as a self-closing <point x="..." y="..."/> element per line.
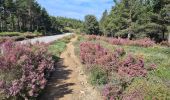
<point x="143" y="89"/>
<point x="91" y="54"/>
<point x="57" y="47"/>
<point x="104" y="65"/>
<point x="112" y="92"/>
<point x="145" y="42"/>
<point x="132" y="66"/>
<point x="9" y="34"/>
<point x="98" y="76"/>
<point x="24" y="70"/>
<point x="165" y="43"/>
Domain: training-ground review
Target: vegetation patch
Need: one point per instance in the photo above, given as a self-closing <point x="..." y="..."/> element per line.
<point x="24" y="70"/>
<point x="17" y="36"/>
<point x="118" y="67"/>
<point x="57" y="47"/>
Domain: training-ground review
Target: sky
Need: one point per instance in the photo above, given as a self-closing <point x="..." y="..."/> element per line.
<point x="76" y="8"/>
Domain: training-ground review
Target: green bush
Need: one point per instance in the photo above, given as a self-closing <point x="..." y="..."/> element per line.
<point x="37" y="33"/>
<point x="57" y="47"/>
<point x="10" y="34"/>
<point x="98" y="76"/>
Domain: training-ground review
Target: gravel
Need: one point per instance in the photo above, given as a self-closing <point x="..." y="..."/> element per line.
<point x="46" y="39"/>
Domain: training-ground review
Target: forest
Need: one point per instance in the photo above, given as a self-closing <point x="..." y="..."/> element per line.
<point x="133" y="19"/>
<point x="29" y="16"/>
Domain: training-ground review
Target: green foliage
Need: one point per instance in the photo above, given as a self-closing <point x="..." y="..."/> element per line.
<point x="98" y="76"/>
<point x="143" y="89"/>
<point x="102" y="24"/>
<point x="37" y="33"/>
<point x="80" y="38"/>
<point x="10" y="34"/>
<point x="69" y="22"/>
<point x="138" y="19"/>
<point x="13" y="12"/>
<point x="91" y="25"/>
<point x="59" y="46"/>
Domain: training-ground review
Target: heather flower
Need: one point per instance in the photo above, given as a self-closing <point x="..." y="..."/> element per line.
<point x="28" y="65"/>
<point x="145" y="42"/>
<point x="1" y="84"/>
<point x="132" y="67"/>
<point x="152" y="67"/>
<point x="111" y="92"/>
<point x="15" y="88"/>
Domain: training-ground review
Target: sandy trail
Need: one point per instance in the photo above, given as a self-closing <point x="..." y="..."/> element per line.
<point x="69" y="82"/>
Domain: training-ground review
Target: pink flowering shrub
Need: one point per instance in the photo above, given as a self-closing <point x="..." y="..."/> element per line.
<point x="145" y="42"/>
<point x="117" y="41"/>
<point x="111" y="92"/>
<point x="91" y="53"/>
<point x="132" y="66"/>
<point x="24" y="70"/>
<point x="125" y="68"/>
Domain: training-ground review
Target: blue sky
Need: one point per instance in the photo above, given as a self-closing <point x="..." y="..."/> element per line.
<point x="76" y="8"/>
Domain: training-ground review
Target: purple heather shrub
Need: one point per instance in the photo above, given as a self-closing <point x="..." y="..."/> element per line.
<point x="145" y="42"/>
<point x="28" y="67"/>
<point x="90" y="51"/>
<point x="124" y="67"/>
<point x="95" y="54"/>
<point x="111" y="92"/>
<point x="132" y="66"/>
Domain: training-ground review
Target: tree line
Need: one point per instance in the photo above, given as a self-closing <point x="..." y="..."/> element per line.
<point x="133" y="19"/>
<point x="28" y="15"/>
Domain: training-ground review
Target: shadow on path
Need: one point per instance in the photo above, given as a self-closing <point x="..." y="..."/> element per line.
<point x="56" y="88"/>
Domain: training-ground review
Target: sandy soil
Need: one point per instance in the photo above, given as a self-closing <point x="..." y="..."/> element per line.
<point x="69" y="82"/>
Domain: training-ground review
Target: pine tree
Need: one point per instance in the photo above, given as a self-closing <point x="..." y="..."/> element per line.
<point x="138" y="19"/>
<point x="91" y="25"/>
<point x="104" y="16"/>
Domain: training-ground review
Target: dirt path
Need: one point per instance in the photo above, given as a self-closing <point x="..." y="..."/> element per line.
<point x="68" y="81"/>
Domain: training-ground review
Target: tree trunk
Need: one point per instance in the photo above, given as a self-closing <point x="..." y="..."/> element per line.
<point x="0" y="24"/>
<point x="129" y="36"/>
<point x="169" y="38"/>
<point x="168" y="34"/>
